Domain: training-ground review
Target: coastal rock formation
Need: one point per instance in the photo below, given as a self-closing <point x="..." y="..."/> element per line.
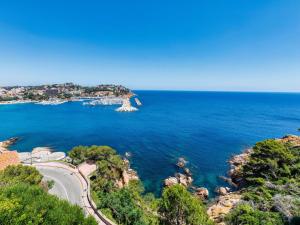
<point x="222" y="190"/>
<point x="228" y="200"/>
<point x="184" y="180"/>
<point x="9" y="142"/>
<point x="187" y="172"/>
<point x="181" y="162"/>
<point x="170" y="181"/>
<point x="179" y="179"/>
<point x="202" y="193"/>
<point x="291" y="139"/>
<point x="128" y="175"/>
<point x="222" y="207"/>
<point x="236" y="163"/>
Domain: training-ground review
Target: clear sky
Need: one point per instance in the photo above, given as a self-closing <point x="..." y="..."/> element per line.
<point x="238" y="45"/>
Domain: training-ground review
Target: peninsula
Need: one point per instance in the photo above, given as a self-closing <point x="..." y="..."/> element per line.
<point x="60" y="93"/>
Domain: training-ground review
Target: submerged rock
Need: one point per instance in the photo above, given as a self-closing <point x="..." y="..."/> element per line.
<point x="187" y="172"/>
<point x="127" y="154"/>
<point x="181" y="162"/>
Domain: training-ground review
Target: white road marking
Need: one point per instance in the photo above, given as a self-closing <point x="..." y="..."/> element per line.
<point x="55" y="180"/>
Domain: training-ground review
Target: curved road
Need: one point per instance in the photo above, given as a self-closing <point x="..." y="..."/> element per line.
<point x="66" y="184"/>
<point x="70" y="185"/>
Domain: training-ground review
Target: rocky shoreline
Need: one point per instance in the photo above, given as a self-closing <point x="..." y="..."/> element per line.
<point x="226" y="201"/>
<point x="4" y="145"/>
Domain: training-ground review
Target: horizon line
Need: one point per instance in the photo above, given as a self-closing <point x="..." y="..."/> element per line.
<point x="162" y="89"/>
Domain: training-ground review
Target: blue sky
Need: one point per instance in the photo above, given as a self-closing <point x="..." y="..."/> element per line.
<point x="248" y="45"/>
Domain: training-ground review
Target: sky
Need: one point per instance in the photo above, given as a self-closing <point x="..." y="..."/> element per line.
<point x="215" y="45"/>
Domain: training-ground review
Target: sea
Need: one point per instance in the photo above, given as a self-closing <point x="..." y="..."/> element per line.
<point x="206" y="128"/>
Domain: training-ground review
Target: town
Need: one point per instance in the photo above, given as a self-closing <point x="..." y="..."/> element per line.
<point x="65" y="91"/>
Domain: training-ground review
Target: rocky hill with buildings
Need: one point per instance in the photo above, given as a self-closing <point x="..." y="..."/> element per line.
<point x="60" y="91"/>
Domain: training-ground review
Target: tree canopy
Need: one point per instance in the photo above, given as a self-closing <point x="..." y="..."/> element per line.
<point x="271" y="160"/>
<point x="272" y="190"/>
<point x="179" y="207"/>
<point x="23" y="201"/>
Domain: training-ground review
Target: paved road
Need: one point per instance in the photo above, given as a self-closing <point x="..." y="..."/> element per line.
<point x="70" y="184"/>
<point x="66" y="184"/>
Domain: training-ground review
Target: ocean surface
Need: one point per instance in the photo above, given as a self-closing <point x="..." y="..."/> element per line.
<point x="204" y="127"/>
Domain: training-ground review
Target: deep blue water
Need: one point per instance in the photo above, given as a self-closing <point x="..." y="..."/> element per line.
<point x="204" y="127"/>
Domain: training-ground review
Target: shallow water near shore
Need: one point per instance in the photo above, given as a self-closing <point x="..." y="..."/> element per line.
<point x="204" y="127"/>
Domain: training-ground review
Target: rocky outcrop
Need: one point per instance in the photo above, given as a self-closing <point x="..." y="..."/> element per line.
<point x="9" y="142"/>
<point x="228" y="200"/>
<point x="128" y="175"/>
<point x="202" y="193"/>
<point x="181" y="162"/>
<point x="184" y="179"/>
<point x="222" y="207"/>
<point x="170" y="181"/>
<point x="236" y="163"/>
<point x="291" y="139"/>
<point x="179" y="178"/>
<point x="4" y="145"/>
<point x="222" y="190"/>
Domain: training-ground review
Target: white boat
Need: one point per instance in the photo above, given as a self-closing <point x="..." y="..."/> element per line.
<point x="137" y="101"/>
<point x="105" y="101"/>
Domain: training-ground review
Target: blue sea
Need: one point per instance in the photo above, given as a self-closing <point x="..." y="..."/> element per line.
<point x="204" y="127"/>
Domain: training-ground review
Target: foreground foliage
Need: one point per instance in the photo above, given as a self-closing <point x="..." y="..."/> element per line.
<point x="23" y="201"/>
<point x="245" y="214"/>
<point x="128" y="204"/>
<point x="272" y="185"/>
<point x="179" y="207"/>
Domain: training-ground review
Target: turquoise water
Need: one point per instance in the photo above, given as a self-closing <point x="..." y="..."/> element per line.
<point x="204" y="127"/>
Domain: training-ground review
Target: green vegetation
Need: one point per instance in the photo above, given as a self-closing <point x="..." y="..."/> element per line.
<point x="4" y="98"/>
<point x="23" y="201"/>
<point x="20" y="174"/>
<point x="246" y="214"/>
<point x="271" y="161"/>
<point x="126" y="203"/>
<point x="179" y="207"/>
<point x="271" y="185"/>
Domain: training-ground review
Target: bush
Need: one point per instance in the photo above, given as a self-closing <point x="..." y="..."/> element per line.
<point x="22" y="204"/>
<point x="20" y="173"/>
<point x="23" y="201"/>
<point x="178" y="206"/>
<point x="246" y="215"/>
<point x="270" y="160"/>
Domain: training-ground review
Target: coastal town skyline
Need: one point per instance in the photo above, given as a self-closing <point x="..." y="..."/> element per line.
<point x="201" y="45"/>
